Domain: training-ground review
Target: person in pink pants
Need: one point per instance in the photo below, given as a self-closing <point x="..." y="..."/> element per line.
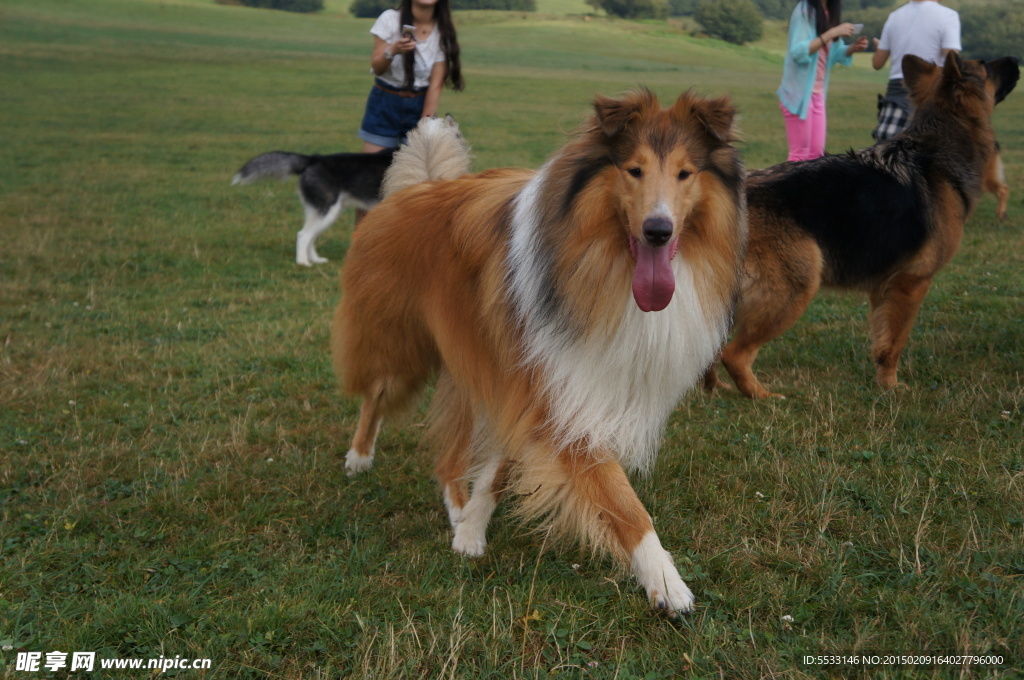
<point x="816" y="43"/>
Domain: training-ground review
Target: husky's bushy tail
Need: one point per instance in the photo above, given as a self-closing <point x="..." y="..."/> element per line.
<point x="435" y="150"/>
<point x="274" y="164"/>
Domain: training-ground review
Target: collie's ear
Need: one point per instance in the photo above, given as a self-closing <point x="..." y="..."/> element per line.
<point x="614" y="114"/>
<point x="714" y="115"/>
<point x="1003" y="74"/>
<point x="915" y="69"/>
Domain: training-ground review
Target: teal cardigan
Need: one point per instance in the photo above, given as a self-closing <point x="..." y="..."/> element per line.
<point x="800" y="66"/>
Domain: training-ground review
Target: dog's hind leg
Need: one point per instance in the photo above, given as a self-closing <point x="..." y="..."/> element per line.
<point x="1003" y="197"/>
<point x="360" y="456"/>
<point x="994" y="182"/>
<point x="711" y="381"/>
<point x="451" y="433"/>
<point x="386" y="397"/>
<point x="316" y="224"/>
<point x="894" y="306"/>
<point x="468" y="449"/>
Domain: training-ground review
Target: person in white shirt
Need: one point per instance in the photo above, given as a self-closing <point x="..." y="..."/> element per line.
<point x="924" y="28"/>
<point x="415" y="53"/>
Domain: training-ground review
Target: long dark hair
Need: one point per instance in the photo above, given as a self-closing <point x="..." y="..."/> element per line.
<point x="449" y="43"/>
<point x="835" y="13"/>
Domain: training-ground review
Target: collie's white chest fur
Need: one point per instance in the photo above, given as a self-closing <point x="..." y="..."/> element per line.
<point x="612" y="391"/>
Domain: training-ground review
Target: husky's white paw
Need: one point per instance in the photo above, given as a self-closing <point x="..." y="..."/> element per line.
<point x="469" y="540"/>
<point x="355" y="462"/>
<point x="653" y="568"/>
<point x="314" y="256"/>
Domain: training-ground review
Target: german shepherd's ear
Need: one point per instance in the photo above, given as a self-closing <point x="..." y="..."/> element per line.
<point x="915" y="69"/>
<point x="614" y="114"/>
<point x="714" y="115"/>
<point x="1003" y="74"/>
<point x="952" y="71"/>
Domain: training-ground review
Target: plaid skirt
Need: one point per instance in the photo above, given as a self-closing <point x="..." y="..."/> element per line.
<point x="894" y="110"/>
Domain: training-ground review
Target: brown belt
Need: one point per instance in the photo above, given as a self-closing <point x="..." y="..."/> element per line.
<point x="406" y="94"/>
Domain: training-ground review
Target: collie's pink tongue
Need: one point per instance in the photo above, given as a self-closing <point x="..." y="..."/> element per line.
<point x="653" y="280"/>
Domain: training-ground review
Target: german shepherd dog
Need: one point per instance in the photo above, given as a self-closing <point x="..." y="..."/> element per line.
<point x="565" y="312"/>
<point x="884" y="220"/>
<point x="330" y="183"/>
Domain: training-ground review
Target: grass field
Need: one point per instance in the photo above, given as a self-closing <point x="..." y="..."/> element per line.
<point x="171" y="437"/>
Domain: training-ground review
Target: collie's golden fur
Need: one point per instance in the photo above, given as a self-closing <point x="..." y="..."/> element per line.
<point x="884" y="220"/>
<point x="563" y="311"/>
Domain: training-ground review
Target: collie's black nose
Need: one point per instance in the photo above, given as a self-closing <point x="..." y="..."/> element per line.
<point x="657" y="230"/>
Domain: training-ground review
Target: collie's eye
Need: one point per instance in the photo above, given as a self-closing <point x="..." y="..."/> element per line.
<point x="683" y="174"/>
<point x="636" y="172"/>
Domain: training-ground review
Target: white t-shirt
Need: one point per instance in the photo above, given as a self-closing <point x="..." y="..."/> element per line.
<point x="428" y="52"/>
<point x="924" y="29"/>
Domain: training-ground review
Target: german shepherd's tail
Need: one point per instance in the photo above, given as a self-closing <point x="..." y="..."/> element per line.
<point x="275" y="165"/>
<point x="436" y="151"/>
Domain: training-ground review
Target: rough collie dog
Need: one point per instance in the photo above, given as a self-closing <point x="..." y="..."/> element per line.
<point x="328" y="184"/>
<point x="883" y="220"/>
<point x="565" y="311"/>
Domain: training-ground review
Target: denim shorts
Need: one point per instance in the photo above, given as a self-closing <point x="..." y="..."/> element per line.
<point x="389" y="117"/>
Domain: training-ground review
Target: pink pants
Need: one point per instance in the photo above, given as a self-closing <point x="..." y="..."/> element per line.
<point x="806" y="137"/>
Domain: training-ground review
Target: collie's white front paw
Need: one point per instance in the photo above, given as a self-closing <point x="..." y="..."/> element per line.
<point x="673" y="595"/>
<point x="355" y="462"/>
<point x="653" y="568"/>
<point x="469" y="540"/>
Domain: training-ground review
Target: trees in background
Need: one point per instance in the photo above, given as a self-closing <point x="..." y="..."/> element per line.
<point x="286" y="5"/>
<point x="734" y="21"/>
<point x="371" y="9"/>
<point x="992" y="31"/>
<point x="633" y="9"/>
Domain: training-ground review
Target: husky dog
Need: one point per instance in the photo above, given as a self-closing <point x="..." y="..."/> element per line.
<point x="329" y="183"/>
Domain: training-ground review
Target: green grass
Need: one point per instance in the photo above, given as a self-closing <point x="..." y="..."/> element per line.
<point x="171" y="437"/>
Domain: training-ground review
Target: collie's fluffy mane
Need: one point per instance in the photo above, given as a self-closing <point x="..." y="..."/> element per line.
<point x="436" y="150"/>
<point x="615" y="372"/>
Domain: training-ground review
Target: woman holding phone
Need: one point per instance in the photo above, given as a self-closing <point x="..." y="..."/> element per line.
<point x="816" y="44"/>
<point x="415" y="52"/>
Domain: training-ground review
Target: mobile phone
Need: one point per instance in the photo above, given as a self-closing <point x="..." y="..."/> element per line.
<point x="409" y="31"/>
